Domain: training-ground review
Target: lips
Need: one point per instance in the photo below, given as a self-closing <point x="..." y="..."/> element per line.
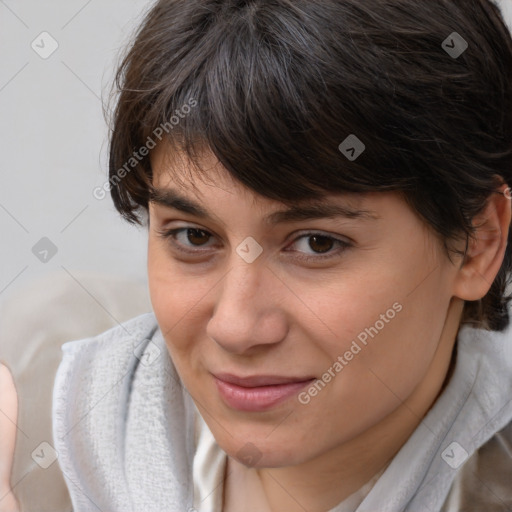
<point x="259" y="392"/>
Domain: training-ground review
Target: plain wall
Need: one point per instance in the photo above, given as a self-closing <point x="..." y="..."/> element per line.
<point x="53" y="140"/>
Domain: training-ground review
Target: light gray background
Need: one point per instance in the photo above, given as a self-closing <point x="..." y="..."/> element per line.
<point x="53" y="139"/>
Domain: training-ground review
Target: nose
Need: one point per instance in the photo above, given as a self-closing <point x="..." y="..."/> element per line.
<point x="248" y="310"/>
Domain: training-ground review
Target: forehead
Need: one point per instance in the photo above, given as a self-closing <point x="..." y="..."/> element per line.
<point x="205" y="176"/>
<point x="180" y="185"/>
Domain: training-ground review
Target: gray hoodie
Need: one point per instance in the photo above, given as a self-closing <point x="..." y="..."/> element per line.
<point x="125" y="430"/>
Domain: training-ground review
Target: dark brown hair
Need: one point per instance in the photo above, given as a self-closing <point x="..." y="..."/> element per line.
<point x="272" y="87"/>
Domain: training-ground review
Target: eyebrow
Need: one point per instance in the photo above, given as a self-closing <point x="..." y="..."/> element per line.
<point x="170" y="198"/>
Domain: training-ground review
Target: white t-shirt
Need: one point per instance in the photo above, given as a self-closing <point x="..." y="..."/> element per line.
<point x="210" y="469"/>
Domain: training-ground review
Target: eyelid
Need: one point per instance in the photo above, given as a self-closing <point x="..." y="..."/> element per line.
<point x="168" y="234"/>
<point x="343" y="245"/>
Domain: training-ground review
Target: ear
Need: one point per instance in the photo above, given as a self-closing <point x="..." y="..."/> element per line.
<point x="486" y="249"/>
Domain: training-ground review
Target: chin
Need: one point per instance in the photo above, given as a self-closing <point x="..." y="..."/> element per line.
<point x="263" y="453"/>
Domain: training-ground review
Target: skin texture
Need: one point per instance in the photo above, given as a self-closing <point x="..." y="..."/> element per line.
<point x="281" y="315"/>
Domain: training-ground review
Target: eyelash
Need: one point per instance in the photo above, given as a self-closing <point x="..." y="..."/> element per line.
<point x="169" y="235"/>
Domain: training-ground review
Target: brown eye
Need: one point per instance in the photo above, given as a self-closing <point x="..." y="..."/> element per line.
<point x="197" y="236"/>
<point x="187" y="240"/>
<point x="320" y="243"/>
<point x="316" y="247"/>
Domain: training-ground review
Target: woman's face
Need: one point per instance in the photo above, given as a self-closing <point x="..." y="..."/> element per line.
<point x="293" y="334"/>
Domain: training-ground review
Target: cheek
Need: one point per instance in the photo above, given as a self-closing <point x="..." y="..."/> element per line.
<point x="178" y="299"/>
<point x="386" y="338"/>
<point x="172" y="297"/>
<point x="161" y="284"/>
<point x="376" y="376"/>
<point x="171" y="305"/>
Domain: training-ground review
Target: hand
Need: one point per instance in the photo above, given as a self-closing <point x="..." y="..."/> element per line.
<point x="8" y="419"/>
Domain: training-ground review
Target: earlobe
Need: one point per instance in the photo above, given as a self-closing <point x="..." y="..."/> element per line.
<point x="486" y="249"/>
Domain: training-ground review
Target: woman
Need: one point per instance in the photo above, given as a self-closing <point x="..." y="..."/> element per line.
<point x="325" y="188"/>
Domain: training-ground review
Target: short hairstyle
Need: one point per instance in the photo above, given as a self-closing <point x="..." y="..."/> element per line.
<point x="273" y="87"/>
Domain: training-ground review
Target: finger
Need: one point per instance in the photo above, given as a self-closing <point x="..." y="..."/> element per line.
<point x="8" y="421"/>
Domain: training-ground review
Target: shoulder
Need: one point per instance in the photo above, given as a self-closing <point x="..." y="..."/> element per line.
<point x="110" y="350"/>
<point x="116" y="339"/>
<point x="120" y="415"/>
<point x="483" y="482"/>
<point x="90" y="366"/>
